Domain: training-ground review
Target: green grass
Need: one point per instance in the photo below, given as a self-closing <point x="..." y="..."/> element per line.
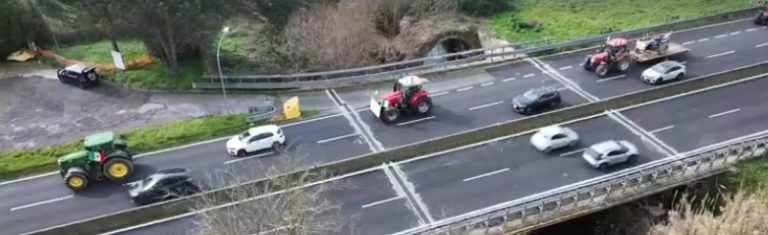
<point x="154" y="76"/>
<point x="142" y="140"/>
<point x="751" y="174"/>
<point x="571" y="19"/>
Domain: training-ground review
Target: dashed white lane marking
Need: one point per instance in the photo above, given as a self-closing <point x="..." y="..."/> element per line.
<point x="662" y="129"/>
<point x="566" y="67"/>
<point x="508" y="79"/>
<point x="761" y="45"/>
<point x="464" y="89"/>
<point x="734" y="33"/>
<point x="486" y="174"/>
<point x="573" y="152"/>
<point x="439" y="93"/>
<point x="41" y="203"/>
<point x="487" y="84"/>
<point x="689" y="42"/>
<point x="529" y="75"/>
<point x="720" y="54"/>
<point x="724" y="113"/>
<point x="251" y="157"/>
<point x="415" y="121"/>
<point x="486" y="105"/>
<point x="703" y="39"/>
<point x="721" y="36"/>
<point x="337" y="138"/>
<point x="381" y="202"/>
<point x="610" y="78"/>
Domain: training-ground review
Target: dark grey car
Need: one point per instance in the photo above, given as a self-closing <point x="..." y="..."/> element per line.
<point x="536" y="100"/>
<point x="164" y="185"/>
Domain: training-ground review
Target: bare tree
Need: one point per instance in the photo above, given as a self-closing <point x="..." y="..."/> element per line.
<point x="388" y="14"/>
<point x="331" y="36"/>
<point x="287" y="206"/>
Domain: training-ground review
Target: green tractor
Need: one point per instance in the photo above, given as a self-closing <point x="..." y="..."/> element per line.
<point x="104" y="158"/>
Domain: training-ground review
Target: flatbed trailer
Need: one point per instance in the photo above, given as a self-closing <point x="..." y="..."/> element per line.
<point x="644" y="56"/>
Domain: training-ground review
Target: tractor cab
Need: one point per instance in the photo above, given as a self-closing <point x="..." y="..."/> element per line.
<point x="611" y="49"/>
<point x="408" y="86"/>
<point x="407" y="96"/>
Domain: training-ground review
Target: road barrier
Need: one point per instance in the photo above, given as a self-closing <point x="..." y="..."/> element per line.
<point x="472" y="58"/>
<point x="177" y="207"/>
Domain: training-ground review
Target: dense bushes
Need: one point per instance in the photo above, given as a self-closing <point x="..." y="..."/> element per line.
<point x="484" y="7"/>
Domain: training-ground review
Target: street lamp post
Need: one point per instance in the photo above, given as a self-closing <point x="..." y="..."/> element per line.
<point x="218" y="60"/>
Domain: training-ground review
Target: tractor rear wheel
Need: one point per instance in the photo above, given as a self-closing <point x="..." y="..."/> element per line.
<point x="76" y="180"/>
<point x="422" y="106"/>
<point x="587" y="66"/>
<point x="602" y="70"/>
<point x="118" y="169"/>
<point x="759" y="19"/>
<point x="390" y="115"/>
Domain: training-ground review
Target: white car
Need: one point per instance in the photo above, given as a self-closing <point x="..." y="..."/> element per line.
<point x="256" y="139"/>
<point x="663" y="72"/>
<point x="610" y="152"/>
<point x="554" y="137"/>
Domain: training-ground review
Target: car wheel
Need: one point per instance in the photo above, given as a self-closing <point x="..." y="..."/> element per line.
<point x="657" y="81"/>
<point x="547" y="149"/>
<point x="242" y="153"/>
<point x="527" y="111"/>
<point x="277" y="147"/>
<point x="603" y="167"/>
<point x="81" y="83"/>
<point x="573" y="143"/>
<point x="632" y="159"/>
<point x="679" y="77"/>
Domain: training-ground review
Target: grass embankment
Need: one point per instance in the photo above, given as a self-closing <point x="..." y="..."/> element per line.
<point x="142" y="140"/>
<point x="571" y="19"/>
<point x="155" y="76"/>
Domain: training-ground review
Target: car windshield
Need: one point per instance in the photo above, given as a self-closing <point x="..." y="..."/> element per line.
<point x="531" y="95"/>
<point x="244" y="135"/>
<point x="592" y="153"/>
<point x="662" y="67"/>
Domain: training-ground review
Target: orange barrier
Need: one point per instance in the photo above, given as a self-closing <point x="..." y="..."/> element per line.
<point x="129" y="64"/>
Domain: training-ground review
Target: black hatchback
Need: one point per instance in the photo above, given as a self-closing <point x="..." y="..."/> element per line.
<point x="81" y="75"/>
<point x="536" y="100"/>
<point x="164" y="185"/>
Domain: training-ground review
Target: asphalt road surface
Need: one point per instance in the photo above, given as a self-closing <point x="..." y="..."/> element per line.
<point x="40" y="202"/>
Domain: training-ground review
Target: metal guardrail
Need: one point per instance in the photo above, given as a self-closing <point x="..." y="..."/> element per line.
<point x="389" y="71"/>
<point x="260" y="114"/>
<point x="572" y="201"/>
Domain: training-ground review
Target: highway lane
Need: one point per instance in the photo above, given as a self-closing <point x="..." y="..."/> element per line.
<point x="43" y="192"/>
<point x="712" y="117"/>
<point x="498" y="172"/>
<point x="368" y="201"/>
<point x="712" y="49"/>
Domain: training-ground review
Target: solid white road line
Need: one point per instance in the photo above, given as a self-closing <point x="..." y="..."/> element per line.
<point x="721" y="54"/>
<point x="381" y="202"/>
<point x="486" y="105"/>
<point x="439" y="93"/>
<point x="724" y="113"/>
<point x="509" y="79"/>
<point x="41" y="203"/>
<point x="529" y="75"/>
<point x="487" y="84"/>
<point x="610" y="78"/>
<point x="761" y="45"/>
<point x="486" y="174"/>
<point x="411" y="189"/>
<point x="662" y="129"/>
<point x="566" y="67"/>
<point x="415" y="121"/>
<point x="337" y="138"/>
<point x="644" y="135"/>
<point x="554" y="74"/>
<point x="251" y="157"/>
<point x="573" y="152"/>
<point x="464" y="89"/>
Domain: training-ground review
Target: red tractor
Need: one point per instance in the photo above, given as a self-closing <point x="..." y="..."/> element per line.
<point x="762" y="18"/>
<point x="613" y="55"/>
<point x="407" y="97"/>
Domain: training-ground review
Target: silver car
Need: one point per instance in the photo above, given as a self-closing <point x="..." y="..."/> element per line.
<point x="610" y="152"/>
<point x="663" y="72"/>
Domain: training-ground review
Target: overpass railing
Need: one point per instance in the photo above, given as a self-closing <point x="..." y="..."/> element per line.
<point x="600" y="193"/>
<point x="347" y="77"/>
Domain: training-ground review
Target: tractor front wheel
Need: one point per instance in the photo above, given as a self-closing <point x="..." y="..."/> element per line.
<point x="76" y="181"/>
<point x="423" y="106"/>
<point x="602" y="70"/>
<point x="390" y="115"/>
<point x="118" y="169"/>
<point x="623" y="64"/>
<point x="587" y="66"/>
<point x="759" y="19"/>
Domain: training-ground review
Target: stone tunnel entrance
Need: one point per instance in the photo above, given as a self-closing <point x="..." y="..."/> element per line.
<point x="446" y="46"/>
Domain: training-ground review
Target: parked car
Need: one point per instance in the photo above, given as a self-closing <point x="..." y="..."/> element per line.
<point x="82" y="75"/>
<point x="663" y="72"/>
<point x="554" y="137"/>
<point x="608" y="153"/>
<point x="164" y="185"/>
<point x="256" y="139"/>
<point x="536" y="100"/>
